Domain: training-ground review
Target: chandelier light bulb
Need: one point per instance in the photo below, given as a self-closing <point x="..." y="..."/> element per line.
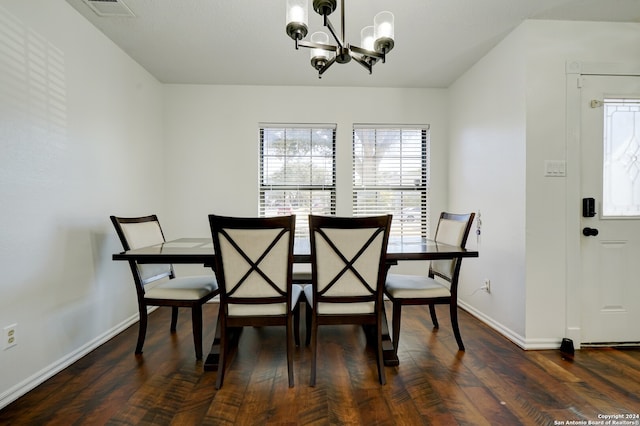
<point x="297" y="11"/>
<point x="367" y="38"/>
<point x="296" y="14"/>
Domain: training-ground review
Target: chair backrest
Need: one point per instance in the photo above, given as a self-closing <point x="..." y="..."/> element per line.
<point x="137" y="232"/>
<point x="453" y="229"/>
<point x="253" y="263"/>
<point x="348" y="257"/>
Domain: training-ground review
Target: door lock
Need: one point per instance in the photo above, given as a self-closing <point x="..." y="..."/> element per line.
<point x="588" y="207"/>
<point x="589" y="232"/>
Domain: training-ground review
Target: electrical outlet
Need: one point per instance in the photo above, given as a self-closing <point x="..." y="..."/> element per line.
<point x="10" y="336"/>
<point x="487" y="285"/>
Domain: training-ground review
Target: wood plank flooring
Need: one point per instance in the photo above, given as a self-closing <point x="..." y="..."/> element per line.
<point x="493" y="383"/>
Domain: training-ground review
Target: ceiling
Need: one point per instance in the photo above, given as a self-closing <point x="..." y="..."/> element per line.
<point x="244" y="41"/>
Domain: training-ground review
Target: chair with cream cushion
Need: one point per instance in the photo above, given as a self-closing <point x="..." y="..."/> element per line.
<point x="157" y="285"/>
<point x="348" y="269"/>
<point x="440" y="286"/>
<point x="253" y="264"/>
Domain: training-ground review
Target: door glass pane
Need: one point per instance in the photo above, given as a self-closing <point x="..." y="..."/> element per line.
<point x="621" y="161"/>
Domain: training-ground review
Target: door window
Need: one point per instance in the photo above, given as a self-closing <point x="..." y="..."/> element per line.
<point x="621" y="165"/>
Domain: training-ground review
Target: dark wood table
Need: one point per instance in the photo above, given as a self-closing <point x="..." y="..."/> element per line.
<point x="200" y="251"/>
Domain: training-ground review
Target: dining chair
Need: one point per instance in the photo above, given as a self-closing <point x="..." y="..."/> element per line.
<point x="253" y="264"/>
<point x="440" y="285"/>
<point x="348" y="270"/>
<point x="157" y="285"/>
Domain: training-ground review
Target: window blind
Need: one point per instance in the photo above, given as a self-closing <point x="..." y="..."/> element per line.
<point x="391" y="175"/>
<point x="297" y="171"/>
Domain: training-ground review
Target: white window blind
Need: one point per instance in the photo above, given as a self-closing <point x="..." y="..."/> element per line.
<point x="297" y="171"/>
<point x="391" y="175"/>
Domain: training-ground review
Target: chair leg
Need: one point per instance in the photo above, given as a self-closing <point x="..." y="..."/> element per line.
<point x="381" y="373"/>
<point x="396" y="318"/>
<point x="196" y="325"/>
<point x="290" y="349"/>
<point x="453" y="307"/>
<point x="434" y="317"/>
<point x="142" y="328"/>
<point x="314" y="349"/>
<point x="174" y="318"/>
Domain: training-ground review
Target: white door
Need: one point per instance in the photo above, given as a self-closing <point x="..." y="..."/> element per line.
<point x="610" y="154"/>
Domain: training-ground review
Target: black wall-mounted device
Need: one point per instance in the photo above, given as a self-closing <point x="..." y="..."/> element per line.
<point x="588" y="207"/>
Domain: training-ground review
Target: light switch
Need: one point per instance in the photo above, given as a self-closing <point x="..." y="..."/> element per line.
<point x="555" y="168"/>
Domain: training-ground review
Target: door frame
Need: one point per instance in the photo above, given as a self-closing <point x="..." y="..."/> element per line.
<point x="574" y="72"/>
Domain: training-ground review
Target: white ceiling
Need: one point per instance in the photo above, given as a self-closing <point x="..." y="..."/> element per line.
<point x="244" y="41"/>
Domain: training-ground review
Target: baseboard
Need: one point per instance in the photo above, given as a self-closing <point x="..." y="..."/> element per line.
<point x="524" y="343"/>
<point x="46" y="373"/>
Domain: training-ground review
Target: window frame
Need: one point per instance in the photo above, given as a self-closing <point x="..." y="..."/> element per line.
<point x="302" y="228"/>
<point x="400" y="225"/>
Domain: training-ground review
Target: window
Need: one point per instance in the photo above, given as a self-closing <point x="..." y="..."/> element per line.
<point x="621" y="171"/>
<point x="297" y="171"/>
<point x="391" y="175"/>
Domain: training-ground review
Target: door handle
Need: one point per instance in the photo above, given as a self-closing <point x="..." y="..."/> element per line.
<point x="589" y="232"/>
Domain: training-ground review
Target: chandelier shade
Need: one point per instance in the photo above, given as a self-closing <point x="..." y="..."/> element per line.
<point x="320" y="57"/>
<point x="367" y="38"/>
<point x="297" y="18"/>
<point x="375" y="41"/>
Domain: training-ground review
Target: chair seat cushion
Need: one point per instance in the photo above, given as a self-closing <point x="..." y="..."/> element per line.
<point x="268" y="309"/>
<point x="183" y="288"/>
<point x="338" y="308"/>
<point x="414" y="287"/>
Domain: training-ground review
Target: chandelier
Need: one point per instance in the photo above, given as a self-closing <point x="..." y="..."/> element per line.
<point x="376" y="40"/>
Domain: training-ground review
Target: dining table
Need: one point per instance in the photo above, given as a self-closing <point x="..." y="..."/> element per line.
<point x="200" y="250"/>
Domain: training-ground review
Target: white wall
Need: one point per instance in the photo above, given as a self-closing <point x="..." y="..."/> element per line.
<point x="550" y="45"/>
<point x="212" y="141"/>
<point x="80" y="126"/>
<point x="487" y="175"/>
<point x="508" y="115"/>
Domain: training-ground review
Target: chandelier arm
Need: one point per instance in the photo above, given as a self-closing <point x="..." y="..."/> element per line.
<point x="342" y="19"/>
<point x="327" y="23"/>
<point x="367" y="65"/>
<point x="312" y="45"/>
<point x="326" y="67"/>
<point x="365" y="52"/>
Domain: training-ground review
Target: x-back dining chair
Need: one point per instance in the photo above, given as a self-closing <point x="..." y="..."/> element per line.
<point x="440" y="286"/>
<point x="157" y="285"/>
<point x="348" y="269"/>
<point x="253" y="264"/>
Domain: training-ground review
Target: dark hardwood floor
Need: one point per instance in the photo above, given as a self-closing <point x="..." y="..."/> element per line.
<point x="493" y="383"/>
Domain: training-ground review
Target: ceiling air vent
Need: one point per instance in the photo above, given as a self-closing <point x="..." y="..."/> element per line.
<point x="109" y="8"/>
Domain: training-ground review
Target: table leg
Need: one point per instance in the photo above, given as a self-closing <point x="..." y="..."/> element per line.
<point x="213" y="359"/>
<point x="211" y="363"/>
<point x="389" y="356"/>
